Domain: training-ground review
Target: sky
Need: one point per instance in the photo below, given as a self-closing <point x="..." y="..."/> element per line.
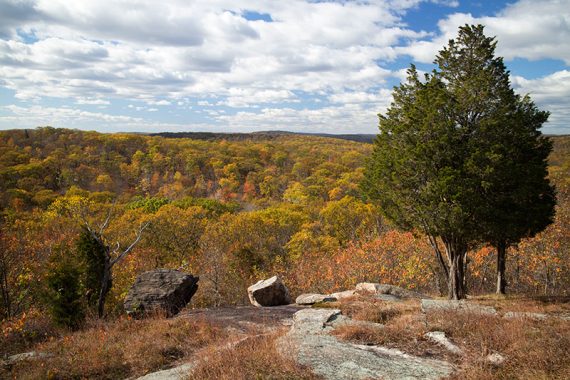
<point x="245" y="65"/>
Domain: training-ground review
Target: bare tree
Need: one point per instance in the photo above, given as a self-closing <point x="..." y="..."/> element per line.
<point x="113" y="252"/>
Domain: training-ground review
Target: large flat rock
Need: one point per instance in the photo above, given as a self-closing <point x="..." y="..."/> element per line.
<point x="311" y="344"/>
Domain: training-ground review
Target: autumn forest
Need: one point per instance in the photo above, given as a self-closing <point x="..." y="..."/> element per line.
<point x="231" y="211"/>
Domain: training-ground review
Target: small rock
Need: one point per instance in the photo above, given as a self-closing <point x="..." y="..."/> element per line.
<point x="312" y="298"/>
<point x="440" y="338"/>
<point x="161" y="289"/>
<point x="343" y="295"/>
<point x="32" y="355"/>
<point x="519" y="314"/>
<point x="374" y="288"/>
<point x="495" y="359"/>
<point x="270" y="292"/>
<point x="452" y="305"/>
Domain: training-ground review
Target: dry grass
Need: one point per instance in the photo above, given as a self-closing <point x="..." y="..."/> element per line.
<point x="254" y="358"/>
<point x="118" y="349"/>
<point x="21" y="334"/>
<point x="541" y="304"/>
<point x="534" y="349"/>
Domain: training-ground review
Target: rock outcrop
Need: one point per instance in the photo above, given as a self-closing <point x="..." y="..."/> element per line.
<point x="457" y="306"/>
<point x="390" y="290"/>
<point x="310" y="343"/>
<point x="270" y="292"/>
<point x="440" y="338"/>
<point x="313" y="298"/>
<point x="520" y="314"/>
<point x="343" y="295"/>
<point x="162" y="289"/>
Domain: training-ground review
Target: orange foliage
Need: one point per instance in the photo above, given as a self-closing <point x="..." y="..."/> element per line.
<point x="397" y="258"/>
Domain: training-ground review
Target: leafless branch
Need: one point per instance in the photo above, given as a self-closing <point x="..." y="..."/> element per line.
<point x="132" y="245"/>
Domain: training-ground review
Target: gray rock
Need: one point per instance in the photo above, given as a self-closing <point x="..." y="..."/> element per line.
<point x="181" y="372"/>
<point x="161" y="289"/>
<point x="440" y="338"/>
<point x="32" y="355"/>
<point x="495" y="359"/>
<point x="313" y="321"/>
<point x="374" y="288"/>
<point x="313" y="298"/>
<point x="459" y="306"/>
<point x="310" y="344"/>
<point x="270" y="292"/>
<point x="387" y="297"/>
<point x="343" y="295"/>
<point x="520" y="314"/>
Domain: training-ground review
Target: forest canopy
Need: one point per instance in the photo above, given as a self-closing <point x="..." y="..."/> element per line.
<point x="231" y="212"/>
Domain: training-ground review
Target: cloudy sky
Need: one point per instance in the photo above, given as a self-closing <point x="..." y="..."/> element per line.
<point x="246" y="65"/>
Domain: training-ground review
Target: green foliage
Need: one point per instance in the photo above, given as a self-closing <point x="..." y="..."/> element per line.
<point x="64" y="290"/>
<point x="214" y="207"/>
<point x="92" y="255"/>
<point x="149" y="204"/>
<point x="460" y="156"/>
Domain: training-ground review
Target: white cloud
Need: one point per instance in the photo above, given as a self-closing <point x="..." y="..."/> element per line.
<point x="550" y="93"/>
<point x="155" y="55"/>
<point x="87" y="101"/>
<point x="71" y="117"/>
<point x="525" y="29"/>
<point x="147" y="50"/>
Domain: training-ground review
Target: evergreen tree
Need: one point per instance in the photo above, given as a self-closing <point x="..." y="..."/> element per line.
<point x="445" y="158"/>
<point x="92" y="254"/>
<point x="520" y="198"/>
<point x="64" y="290"/>
<point x="505" y="140"/>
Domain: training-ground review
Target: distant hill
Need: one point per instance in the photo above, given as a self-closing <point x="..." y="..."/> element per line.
<point x="264" y="135"/>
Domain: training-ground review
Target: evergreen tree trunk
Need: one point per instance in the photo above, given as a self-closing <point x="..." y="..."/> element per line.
<point x="455" y="284"/>
<point x="501" y="265"/>
<point x="105" y="287"/>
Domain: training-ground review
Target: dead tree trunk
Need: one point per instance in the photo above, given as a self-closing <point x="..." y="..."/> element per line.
<point x="106" y="284"/>
<point x="112" y="257"/>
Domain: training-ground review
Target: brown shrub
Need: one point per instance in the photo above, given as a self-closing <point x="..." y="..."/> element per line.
<point x="254" y="358"/>
<point x="20" y="334"/>
<point x="118" y="349"/>
<point x="534" y="349"/>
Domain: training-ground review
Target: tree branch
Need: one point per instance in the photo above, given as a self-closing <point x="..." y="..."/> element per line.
<point x="132" y="245"/>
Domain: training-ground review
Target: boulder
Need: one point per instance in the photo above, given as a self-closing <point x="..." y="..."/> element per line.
<point x="160" y="290"/>
<point x="458" y="306"/>
<point x="396" y="291"/>
<point x="270" y="292"/>
<point x="313" y="298"/>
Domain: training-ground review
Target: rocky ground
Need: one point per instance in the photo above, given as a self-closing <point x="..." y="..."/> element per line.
<point x="380" y="332"/>
<point x="371" y="332"/>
